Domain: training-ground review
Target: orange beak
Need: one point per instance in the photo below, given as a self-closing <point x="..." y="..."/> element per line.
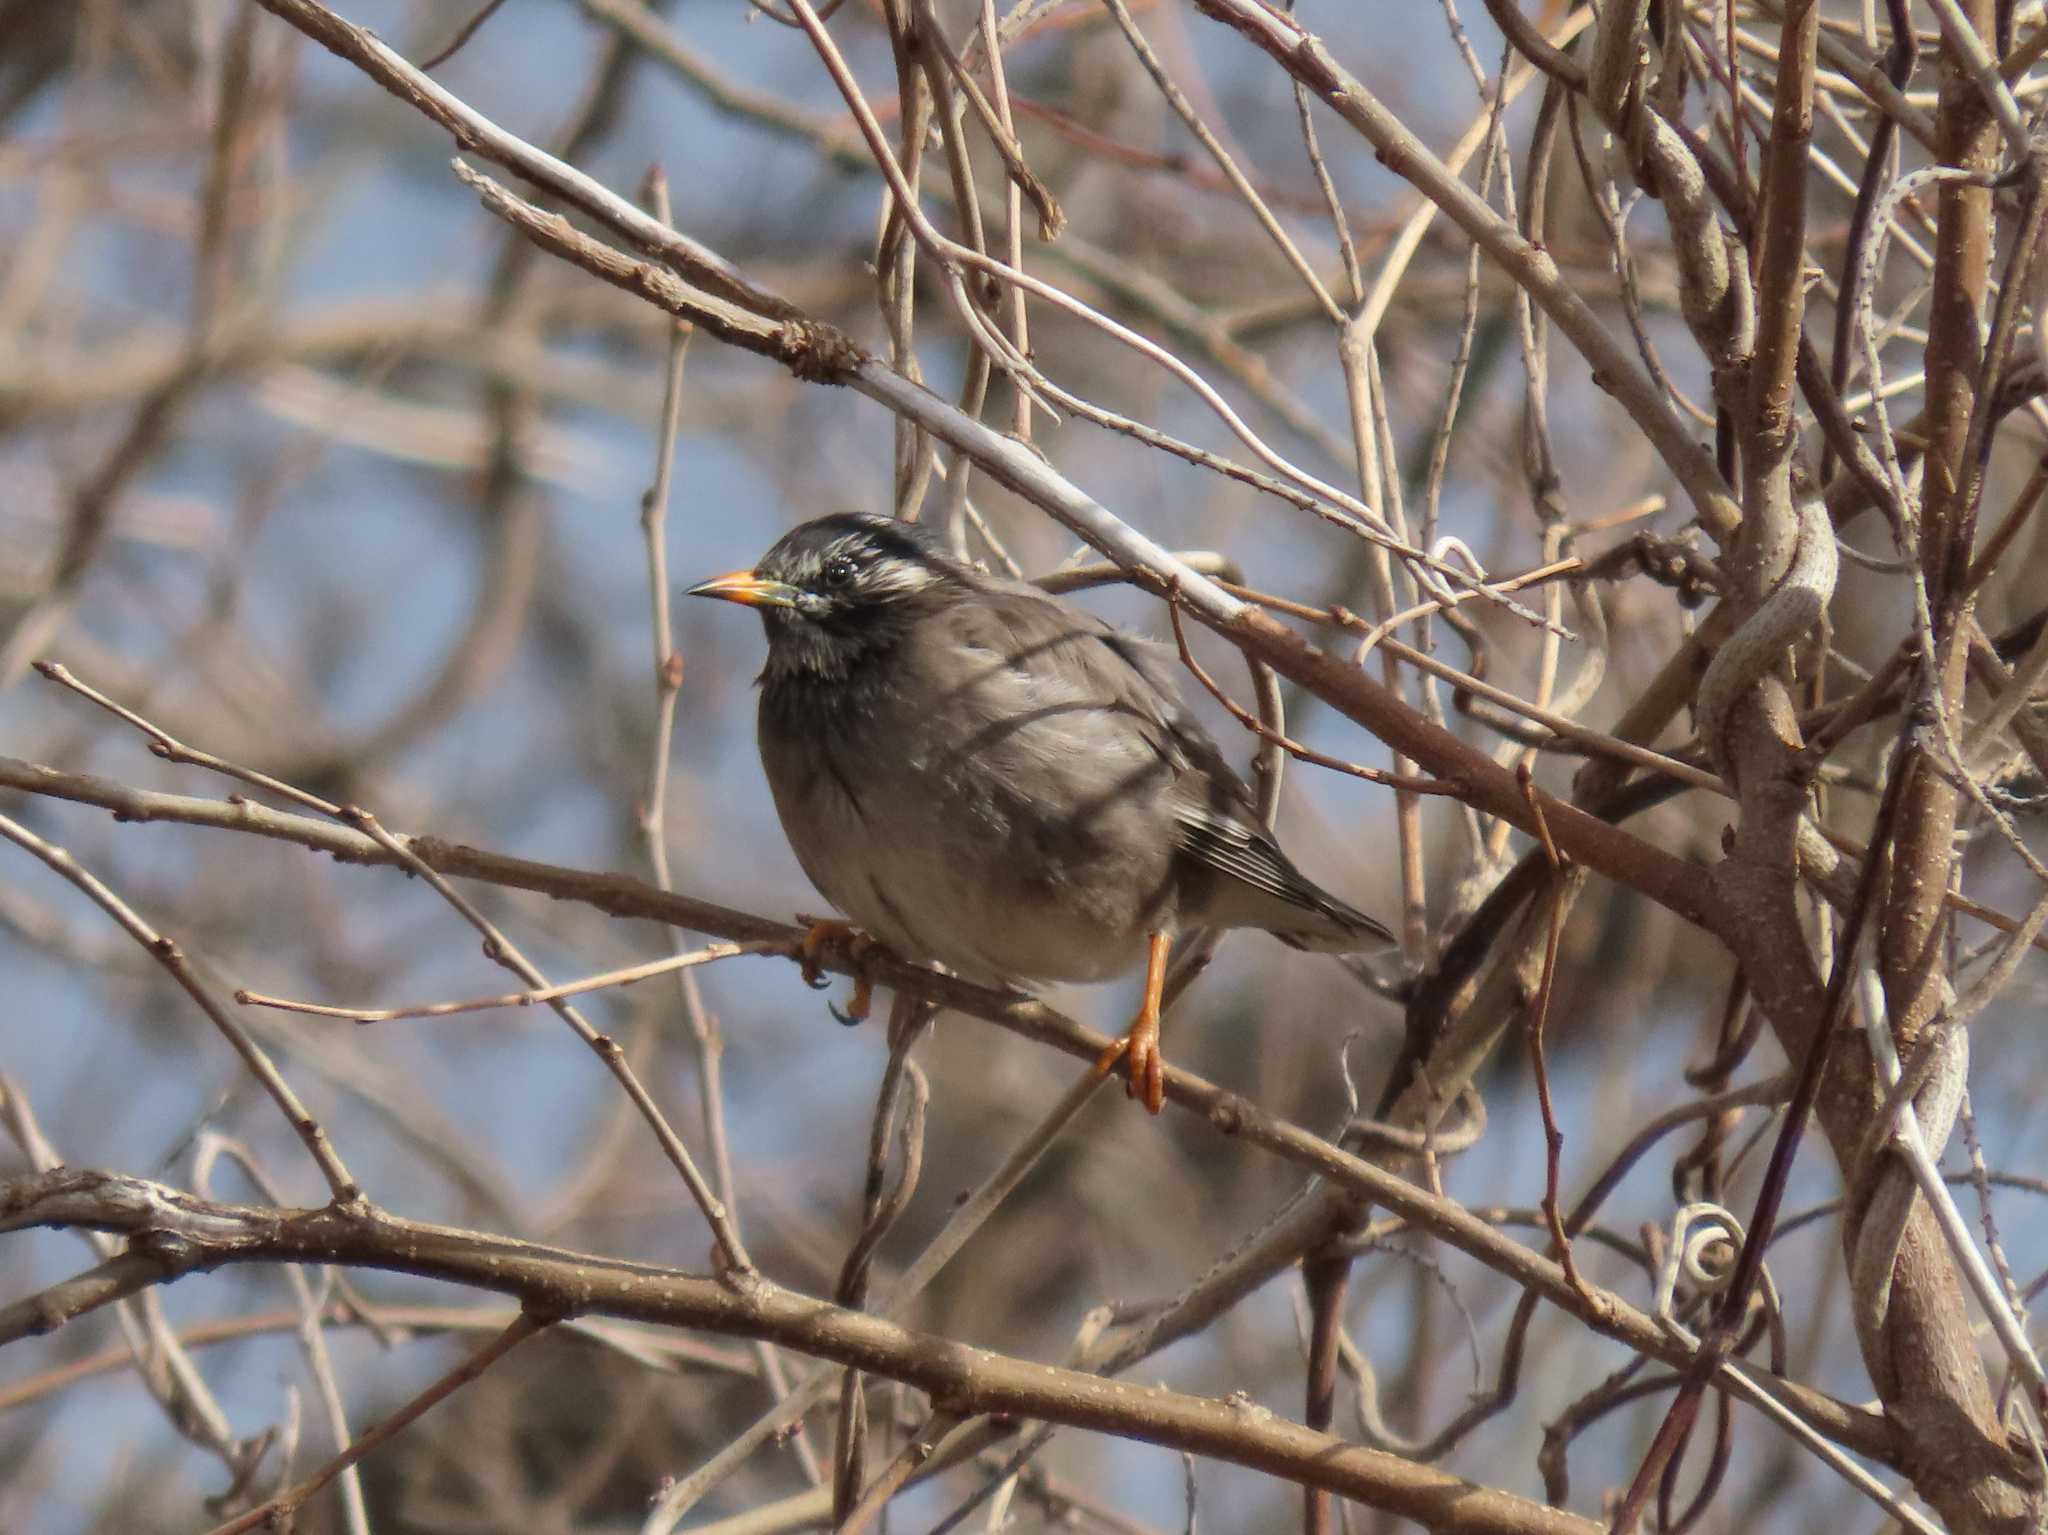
<point x="743" y="586"/>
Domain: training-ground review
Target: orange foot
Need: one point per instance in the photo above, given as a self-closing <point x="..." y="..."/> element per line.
<point x="1144" y="1065"/>
<point x="823" y="933"/>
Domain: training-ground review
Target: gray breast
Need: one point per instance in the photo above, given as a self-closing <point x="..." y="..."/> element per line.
<point x="999" y="807"/>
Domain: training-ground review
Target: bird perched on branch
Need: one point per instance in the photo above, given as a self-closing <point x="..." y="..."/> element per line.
<point x="985" y="776"/>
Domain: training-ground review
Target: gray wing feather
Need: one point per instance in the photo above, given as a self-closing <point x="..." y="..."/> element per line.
<point x="1234" y="849"/>
<point x="1215" y="820"/>
<point x="1251" y="858"/>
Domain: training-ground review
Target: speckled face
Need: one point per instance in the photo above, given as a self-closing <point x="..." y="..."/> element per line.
<point x="841" y="565"/>
<point x="837" y="589"/>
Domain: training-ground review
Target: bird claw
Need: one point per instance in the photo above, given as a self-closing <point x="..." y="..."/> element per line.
<point x="1144" y="1064"/>
<point x="819" y="932"/>
<point x="857" y="1005"/>
<point x="809" y="953"/>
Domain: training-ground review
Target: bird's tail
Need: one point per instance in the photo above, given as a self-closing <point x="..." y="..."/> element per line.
<point x="1341" y="930"/>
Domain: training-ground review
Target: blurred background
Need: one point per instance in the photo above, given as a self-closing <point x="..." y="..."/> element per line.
<point x="320" y="468"/>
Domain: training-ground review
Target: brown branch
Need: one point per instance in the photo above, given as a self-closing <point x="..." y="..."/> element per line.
<point x="1922" y="1358"/>
<point x="497" y="945"/>
<point x="392" y="1324"/>
<point x="1475" y="777"/>
<point x="916" y="1452"/>
<point x="166" y="952"/>
<point x="1288" y="744"/>
<point x="960" y="1379"/>
<point x="280" y="1509"/>
<point x="1615" y="369"/>
<point x="476" y="134"/>
<point x="1781" y="305"/>
<point x="1538" y="1020"/>
<point x="824" y="355"/>
<point x="1226" y="1112"/>
<point x="462" y="36"/>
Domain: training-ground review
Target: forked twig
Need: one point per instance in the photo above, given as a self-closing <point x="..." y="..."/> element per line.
<point x="626" y="975"/>
<point x="1539" y="1017"/>
<point x="496" y="945"/>
<point x="1286" y="743"/>
<point x="286" y="1504"/>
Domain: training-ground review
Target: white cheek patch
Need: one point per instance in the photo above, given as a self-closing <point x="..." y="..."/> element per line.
<point x="899" y="578"/>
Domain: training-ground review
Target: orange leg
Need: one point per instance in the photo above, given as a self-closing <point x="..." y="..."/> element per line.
<point x="830" y="930"/>
<point x="1144" y="1066"/>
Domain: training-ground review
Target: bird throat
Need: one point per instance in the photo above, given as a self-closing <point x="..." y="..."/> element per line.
<point x="824" y="661"/>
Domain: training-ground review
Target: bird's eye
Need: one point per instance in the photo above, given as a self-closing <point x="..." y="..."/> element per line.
<point x="839" y="570"/>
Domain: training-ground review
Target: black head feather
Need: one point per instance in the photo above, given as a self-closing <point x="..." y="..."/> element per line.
<point x="857" y="581"/>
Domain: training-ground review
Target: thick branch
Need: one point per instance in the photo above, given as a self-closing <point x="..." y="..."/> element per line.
<point x="558" y="1282"/>
<point x="1350" y="1177"/>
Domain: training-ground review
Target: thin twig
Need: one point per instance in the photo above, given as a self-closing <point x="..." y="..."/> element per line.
<point x="1539" y="1017"/>
<point x="496" y="944"/>
<point x="286" y="1504"/>
<point x="1292" y="747"/>
<point x="626" y="975"/>
<point x="462" y="37"/>
<point x="166" y="952"/>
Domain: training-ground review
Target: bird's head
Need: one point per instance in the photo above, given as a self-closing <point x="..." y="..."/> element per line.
<point x="838" y="590"/>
